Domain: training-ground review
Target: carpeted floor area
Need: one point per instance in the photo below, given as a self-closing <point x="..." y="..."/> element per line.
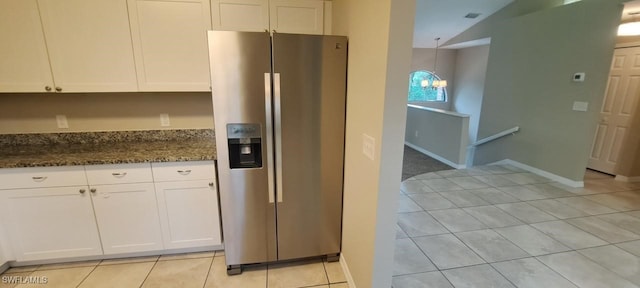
<point x="416" y="163"/>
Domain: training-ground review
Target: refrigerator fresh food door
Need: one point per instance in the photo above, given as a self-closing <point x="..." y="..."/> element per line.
<point x="309" y="117"/>
<point x="241" y="90"/>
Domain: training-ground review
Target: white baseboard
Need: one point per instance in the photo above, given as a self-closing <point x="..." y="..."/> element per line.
<point x="554" y="177"/>
<point x="115" y="256"/>
<point x="627" y="179"/>
<point x="435" y="156"/>
<point x="347" y="273"/>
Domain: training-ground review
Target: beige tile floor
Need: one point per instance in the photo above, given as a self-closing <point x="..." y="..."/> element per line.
<point x="205" y="269"/>
<point x="500" y="226"/>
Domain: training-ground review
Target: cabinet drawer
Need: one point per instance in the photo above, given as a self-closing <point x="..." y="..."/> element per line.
<point x="119" y="173"/>
<point x="12" y="178"/>
<point x="182" y="171"/>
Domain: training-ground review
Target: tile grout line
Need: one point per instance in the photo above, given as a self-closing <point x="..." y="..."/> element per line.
<point x="89" y="274"/>
<point x="149" y="273"/>
<point x="206" y="279"/>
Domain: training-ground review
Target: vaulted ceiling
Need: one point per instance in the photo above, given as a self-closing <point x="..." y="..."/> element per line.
<point x="446" y="18"/>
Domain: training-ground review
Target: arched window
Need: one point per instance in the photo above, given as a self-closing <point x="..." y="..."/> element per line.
<point x="419" y="93"/>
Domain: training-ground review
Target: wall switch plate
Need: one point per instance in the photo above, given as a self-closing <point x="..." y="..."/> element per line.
<point x="62" y="121"/>
<point x="164" y="120"/>
<point x="580" y="106"/>
<point x="368" y="146"/>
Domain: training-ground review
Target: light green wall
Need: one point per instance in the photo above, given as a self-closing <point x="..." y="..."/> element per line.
<point x="443" y="134"/>
<point x="471" y="71"/>
<point x="531" y="62"/>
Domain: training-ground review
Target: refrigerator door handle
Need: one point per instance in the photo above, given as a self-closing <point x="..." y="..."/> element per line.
<point x="278" y="135"/>
<point x="269" y="128"/>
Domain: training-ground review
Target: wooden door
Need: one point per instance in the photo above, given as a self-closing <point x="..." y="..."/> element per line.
<point x="617" y="109"/>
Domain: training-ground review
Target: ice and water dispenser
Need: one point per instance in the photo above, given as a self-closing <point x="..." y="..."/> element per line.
<point x="245" y="145"/>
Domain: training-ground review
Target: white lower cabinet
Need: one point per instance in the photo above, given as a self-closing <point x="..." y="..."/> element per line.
<point x="49" y="223"/>
<point x="189" y="213"/>
<point x="82" y="211"/>
<point x="127" y="216"/>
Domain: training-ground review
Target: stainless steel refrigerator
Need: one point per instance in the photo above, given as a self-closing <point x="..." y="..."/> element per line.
<point x="279" y="110"/>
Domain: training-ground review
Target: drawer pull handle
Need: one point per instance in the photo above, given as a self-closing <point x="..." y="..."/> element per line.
<point x="93" y="190"/>
<point x="184" y="172"/>
<point x="82" y="191"/>
<point x="210" y="184"/>
<point x="119" y="175"/>
<point x="39" y="178"/>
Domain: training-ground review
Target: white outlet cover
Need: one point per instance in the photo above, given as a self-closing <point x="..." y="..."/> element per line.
<point x="164" y="120"/>
<point x="368" y="146"/>
<point x="62" y="122"/>
<point x="580" y="106"/>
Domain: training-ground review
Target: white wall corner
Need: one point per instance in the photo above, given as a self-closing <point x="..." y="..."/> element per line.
<point x="471" y="152"/>
<point x="627" y="179"/>
<point x="543" y="173"/>
<point x="436" y="156"/>
<point x="347" y="273"/>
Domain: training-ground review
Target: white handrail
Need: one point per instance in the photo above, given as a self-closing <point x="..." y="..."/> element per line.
<point x="496" y="136"/>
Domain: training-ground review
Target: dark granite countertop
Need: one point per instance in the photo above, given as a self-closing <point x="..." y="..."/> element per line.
<point x="37" y="150"/>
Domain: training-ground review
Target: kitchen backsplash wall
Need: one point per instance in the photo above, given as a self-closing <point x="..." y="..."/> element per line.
<point x="93" y="112"/>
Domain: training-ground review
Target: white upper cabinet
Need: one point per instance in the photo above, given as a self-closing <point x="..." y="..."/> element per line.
<point x="284" y="16"/>
<point x="24" y="63"/>
<point x="240" y="15"/>
<point x="89" y="44"/>
<point x="297" y="16"/>
<point x="170" y="44"/>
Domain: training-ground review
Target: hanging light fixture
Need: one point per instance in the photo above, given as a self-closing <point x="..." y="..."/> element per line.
<point x="435" y="84"/>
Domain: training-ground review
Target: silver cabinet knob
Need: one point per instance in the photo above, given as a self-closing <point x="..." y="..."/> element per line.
<point x="47" y="88"/>
<point x="82" y="191"/>
<point x="93" y="190"/>
<point x="58" y="89"/>
<point x="210" y="184"/>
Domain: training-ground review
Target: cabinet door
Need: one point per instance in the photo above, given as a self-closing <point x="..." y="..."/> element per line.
<point x="297" y="16"/>
<point x="240" y="15"/>
<point x="170" y="43"/>
<point x="24" y="64"/>
<point x="49" y="223"/>
<point x="89" y="44"/>
<point x="189" y="213"/>
<point x="127" y="216"/>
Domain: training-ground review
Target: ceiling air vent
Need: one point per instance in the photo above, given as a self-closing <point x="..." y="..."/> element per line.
<point x="472" y="15"/>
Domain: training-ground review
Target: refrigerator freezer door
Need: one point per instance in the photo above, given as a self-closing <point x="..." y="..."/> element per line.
<point x="242" y="95"/>
<point x="309" y="106"/>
